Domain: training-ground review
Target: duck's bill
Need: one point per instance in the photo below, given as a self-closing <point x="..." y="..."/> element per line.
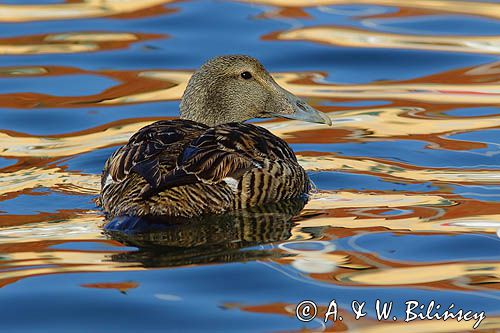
<point x="303" y="111"/>
<point x="308" y="114"/>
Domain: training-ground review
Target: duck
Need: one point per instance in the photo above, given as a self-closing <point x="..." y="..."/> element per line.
<point x="210" y="160"/>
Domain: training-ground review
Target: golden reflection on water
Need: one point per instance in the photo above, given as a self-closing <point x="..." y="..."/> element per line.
<point x="367" y="166"/>
<point x="29" y="248"/>
<point x="349" y="37"/>
<point x="74" y="42"/>
<point x="53" y="178"/>
<point x="78" y="9"/>
<point x="423" y="274"/>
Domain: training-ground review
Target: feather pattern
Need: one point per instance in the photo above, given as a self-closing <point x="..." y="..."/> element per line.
<point x="184" y="168"/>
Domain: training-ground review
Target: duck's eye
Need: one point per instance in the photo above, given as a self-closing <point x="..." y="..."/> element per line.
<point x="246" y="75"/>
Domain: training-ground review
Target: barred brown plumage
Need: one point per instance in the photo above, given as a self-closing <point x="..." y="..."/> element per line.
<point x="216" y="163"/>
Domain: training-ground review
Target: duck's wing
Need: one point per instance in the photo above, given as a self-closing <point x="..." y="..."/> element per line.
<point x="174" y="153"/>
<point x="151" y="152"/>
<point x="225" y="153"/>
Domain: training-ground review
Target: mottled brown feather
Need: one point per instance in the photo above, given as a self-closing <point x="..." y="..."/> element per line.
<point x="182" y="165"/>
<point x="152" y="150"/>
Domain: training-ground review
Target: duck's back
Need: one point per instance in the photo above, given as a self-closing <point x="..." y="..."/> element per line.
<point x="184" y="168"/>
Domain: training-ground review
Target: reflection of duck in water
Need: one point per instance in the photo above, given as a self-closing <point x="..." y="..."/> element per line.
<point x="213" y="238"/>
<point x="209" y="161"/>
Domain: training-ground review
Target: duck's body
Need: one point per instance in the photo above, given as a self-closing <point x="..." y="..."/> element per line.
<point x="203" y="164"/>
<point x="184" y="168"/>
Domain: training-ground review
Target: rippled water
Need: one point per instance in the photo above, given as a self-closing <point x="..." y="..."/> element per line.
<point x="408" y="177"/>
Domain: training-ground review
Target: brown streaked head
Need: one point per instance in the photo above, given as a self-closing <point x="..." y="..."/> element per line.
<point x="235" y="88"/>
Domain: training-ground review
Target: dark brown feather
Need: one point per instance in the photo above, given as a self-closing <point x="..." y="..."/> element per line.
<point x="184" y="164"/>
<point x="152" y="150"/>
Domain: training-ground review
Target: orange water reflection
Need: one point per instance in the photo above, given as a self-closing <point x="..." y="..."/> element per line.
<point x="74" y="42"/>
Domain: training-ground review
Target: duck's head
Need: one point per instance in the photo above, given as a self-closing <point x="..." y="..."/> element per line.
<point x="235" y="88"/>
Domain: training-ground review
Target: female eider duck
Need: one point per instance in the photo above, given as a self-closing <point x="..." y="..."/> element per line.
<point x="209" y="161"/>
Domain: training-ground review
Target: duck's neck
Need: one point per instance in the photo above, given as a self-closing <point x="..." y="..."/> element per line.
<point x="202" y="114"/>
<point x="199" y="105"/>
<point x="195" y="104"/>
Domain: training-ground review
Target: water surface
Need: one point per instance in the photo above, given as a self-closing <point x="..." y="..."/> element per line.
<point x="408" y="177"/>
